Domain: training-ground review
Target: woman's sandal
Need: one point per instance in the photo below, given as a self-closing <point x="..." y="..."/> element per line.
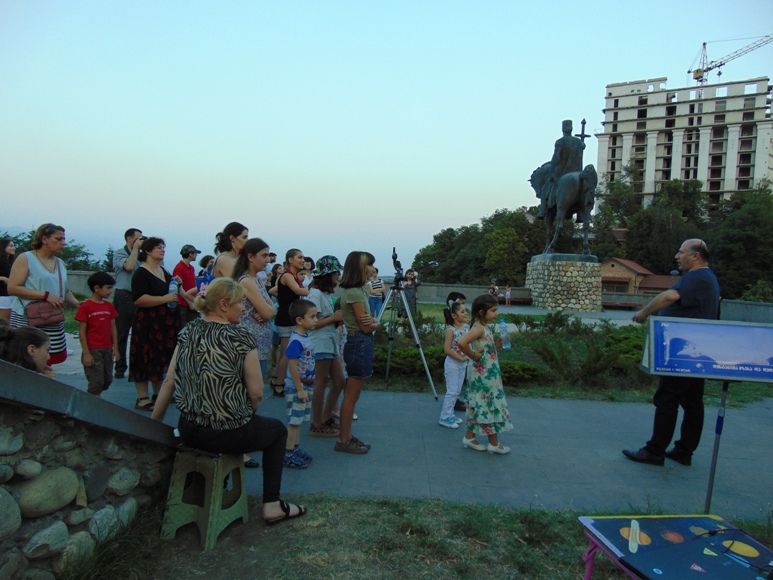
<point x="279" y="390"/>
<point x="146" y="407"/>
<point x="286" y="509"/>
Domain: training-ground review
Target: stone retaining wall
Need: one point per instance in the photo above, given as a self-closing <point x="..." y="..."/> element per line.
<point x="565" y="285"/>
<point x="66" y="486"/>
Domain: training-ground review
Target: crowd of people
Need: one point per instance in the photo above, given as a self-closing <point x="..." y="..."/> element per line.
<point x="203" y="341"/>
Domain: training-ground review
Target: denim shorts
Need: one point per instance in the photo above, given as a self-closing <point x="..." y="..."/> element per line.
<point x="284" y="331"/>
<point x="324" y="356"/>
<point x="358" y="355"/>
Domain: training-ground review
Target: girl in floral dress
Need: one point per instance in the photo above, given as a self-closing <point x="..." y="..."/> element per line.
<point x="487" y="412"/>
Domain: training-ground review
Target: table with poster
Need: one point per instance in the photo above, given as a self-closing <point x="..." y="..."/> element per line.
<point x="702" y="546"/>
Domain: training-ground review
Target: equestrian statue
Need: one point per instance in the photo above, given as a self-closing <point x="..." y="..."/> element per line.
<point x="565" y="188"/>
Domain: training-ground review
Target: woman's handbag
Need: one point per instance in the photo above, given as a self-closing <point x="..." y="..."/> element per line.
<point x="42" y="312"/>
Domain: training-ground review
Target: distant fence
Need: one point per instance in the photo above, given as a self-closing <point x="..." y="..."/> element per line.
<point x="739" y="310"/>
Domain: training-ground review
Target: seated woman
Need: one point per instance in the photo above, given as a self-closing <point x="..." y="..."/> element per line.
<point x="218" y="392"/>
<point x="26" y="347"/>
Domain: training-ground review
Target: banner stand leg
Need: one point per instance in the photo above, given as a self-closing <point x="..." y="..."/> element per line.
<point x="717" y="437"/>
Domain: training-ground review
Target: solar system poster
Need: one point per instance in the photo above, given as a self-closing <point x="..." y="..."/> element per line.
<point x="710" y="349"/>
<point x="682" y="546"/>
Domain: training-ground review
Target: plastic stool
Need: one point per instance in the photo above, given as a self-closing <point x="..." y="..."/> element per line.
<point x="197" y="493"/>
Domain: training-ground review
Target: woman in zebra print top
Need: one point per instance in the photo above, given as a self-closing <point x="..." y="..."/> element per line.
<point x="215" y="374"/>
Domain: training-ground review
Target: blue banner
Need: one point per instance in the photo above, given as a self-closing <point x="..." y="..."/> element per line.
<point x="711" y="349"/>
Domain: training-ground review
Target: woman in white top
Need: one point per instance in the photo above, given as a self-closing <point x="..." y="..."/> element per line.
<point x="40" y="275"/>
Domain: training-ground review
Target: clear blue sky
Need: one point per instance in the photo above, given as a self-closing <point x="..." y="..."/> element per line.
<point x="329" y="126"/>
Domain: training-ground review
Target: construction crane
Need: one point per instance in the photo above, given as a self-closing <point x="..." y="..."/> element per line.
<point x="700" y="73"/>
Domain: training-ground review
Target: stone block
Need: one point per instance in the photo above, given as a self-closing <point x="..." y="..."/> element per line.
<point x="104" y="524"/>
<point x="111" y="449"/>
<point x="6" y="473"/>
<point x="47" y="542"/>
<point x="64" y="443"/>
<point x="96" y="480"/>
<point x="28" y="468"/>
<point x="123" y="481"/>
<point x="127" y="512"/>
<point x="12" y="564"/>
<point x="10" y="522"/>
<point x="77" y="516"/>
<point x="79" y="548"/>
<point x="48" y="492"/>
<point x="10" y="443"/>
<point x="38" y="574"/>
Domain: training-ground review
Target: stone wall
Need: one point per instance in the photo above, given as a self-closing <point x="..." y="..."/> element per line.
<point x="572" y="286"/>
<point x="66" y="486"/>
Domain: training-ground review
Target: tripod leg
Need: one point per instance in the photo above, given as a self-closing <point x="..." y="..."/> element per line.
<point x="392" y="327"/>
<point x="418" y="343"/>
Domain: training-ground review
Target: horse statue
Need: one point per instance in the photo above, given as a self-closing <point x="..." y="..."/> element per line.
<point x="574" y="194"/>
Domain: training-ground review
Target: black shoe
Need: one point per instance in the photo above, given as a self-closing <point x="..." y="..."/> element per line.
<point x="644" y="456"/>
<point x="119" y="375"/>
<point x="459" y="406"/>
<point x="679" y="457"/>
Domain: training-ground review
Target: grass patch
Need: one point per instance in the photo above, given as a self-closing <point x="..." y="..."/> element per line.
<point x="371" y="538"/>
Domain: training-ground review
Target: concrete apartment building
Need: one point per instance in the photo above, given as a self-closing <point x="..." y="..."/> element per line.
<point x="720" y="134"/>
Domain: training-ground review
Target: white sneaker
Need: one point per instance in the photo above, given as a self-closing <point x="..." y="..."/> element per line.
<point x="499" y="450"/>
<point x="458" y="420"/>
<point x="449" y="422"/>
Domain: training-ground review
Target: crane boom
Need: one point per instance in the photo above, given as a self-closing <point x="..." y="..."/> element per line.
<point x="699" y="73"/>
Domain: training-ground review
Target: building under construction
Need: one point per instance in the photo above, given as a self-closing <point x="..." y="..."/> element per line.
<point x="720" y="134"/>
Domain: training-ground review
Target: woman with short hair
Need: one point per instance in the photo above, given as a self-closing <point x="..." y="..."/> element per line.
<point x="155" y="325"/>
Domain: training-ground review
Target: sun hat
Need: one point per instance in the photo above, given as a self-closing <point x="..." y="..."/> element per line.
<point x="326" y="265"/>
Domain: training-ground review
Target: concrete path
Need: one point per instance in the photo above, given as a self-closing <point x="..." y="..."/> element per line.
<point x="566" y="455"/>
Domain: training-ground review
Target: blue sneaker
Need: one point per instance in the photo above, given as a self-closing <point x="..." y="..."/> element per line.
<point x="292" y="461"/>
<point x="458" y="420"/>
<point x="449" y="422"/>
<point x="303" y="455"/>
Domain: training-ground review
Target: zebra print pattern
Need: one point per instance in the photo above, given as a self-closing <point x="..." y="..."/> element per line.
<point x="209" y="376"/>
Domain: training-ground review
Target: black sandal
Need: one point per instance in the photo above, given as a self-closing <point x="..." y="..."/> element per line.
<point x="286" y="509"/>
<point x="279" y="390"/>
<point x="146" y="407"/>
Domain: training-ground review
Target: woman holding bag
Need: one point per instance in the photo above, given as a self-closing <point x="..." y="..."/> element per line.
<point x="40" y="276"/>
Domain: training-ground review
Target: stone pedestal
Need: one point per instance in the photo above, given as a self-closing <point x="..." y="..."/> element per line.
<point x="566" y="282"/>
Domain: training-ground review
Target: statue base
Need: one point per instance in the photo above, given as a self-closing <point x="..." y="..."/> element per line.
<point x="565" y="282"/>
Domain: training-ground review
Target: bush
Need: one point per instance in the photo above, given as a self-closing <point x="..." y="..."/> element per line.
<point x="518" y="373"/>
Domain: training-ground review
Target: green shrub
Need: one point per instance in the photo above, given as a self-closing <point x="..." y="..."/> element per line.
<point x="517" y="373"/>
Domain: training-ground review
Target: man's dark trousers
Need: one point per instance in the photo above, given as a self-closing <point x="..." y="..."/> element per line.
<point x="672" y="393"/>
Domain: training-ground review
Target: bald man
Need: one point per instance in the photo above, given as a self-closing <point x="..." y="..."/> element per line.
<point x="695" y="295"/>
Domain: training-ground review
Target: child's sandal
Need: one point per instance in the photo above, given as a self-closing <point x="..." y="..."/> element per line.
<point x="279" y="390"/>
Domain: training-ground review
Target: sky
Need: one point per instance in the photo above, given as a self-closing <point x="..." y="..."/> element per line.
<point x="329" y="126"/>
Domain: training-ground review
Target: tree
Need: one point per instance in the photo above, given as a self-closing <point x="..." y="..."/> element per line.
<point x="738" y="248"/>
<point x="75" y="256"/>
<point x="106" y="265"/>
<point x="618" y="201"/>
<point x="500" y="247"/>
<point x="654" y="236"/>
<point x="686" y="197"/>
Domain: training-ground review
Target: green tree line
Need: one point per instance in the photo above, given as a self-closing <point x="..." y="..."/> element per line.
<point x="74" y="255"/>
<point x="501" y="245"/>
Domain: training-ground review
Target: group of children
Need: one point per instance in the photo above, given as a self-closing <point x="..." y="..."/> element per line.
<point x="471" y="353"/>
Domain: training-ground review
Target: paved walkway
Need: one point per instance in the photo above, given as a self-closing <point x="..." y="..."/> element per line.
<point x="566" y="455"/>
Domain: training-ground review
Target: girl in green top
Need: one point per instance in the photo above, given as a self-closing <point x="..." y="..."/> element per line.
<point x="358" y="351"/>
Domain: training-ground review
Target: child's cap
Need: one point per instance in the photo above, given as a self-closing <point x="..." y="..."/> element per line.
<point x="326" y="265"/>
<point x="188" y="249"/>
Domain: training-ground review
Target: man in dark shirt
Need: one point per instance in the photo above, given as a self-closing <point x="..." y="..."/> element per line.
<point x="695" y="295"/>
